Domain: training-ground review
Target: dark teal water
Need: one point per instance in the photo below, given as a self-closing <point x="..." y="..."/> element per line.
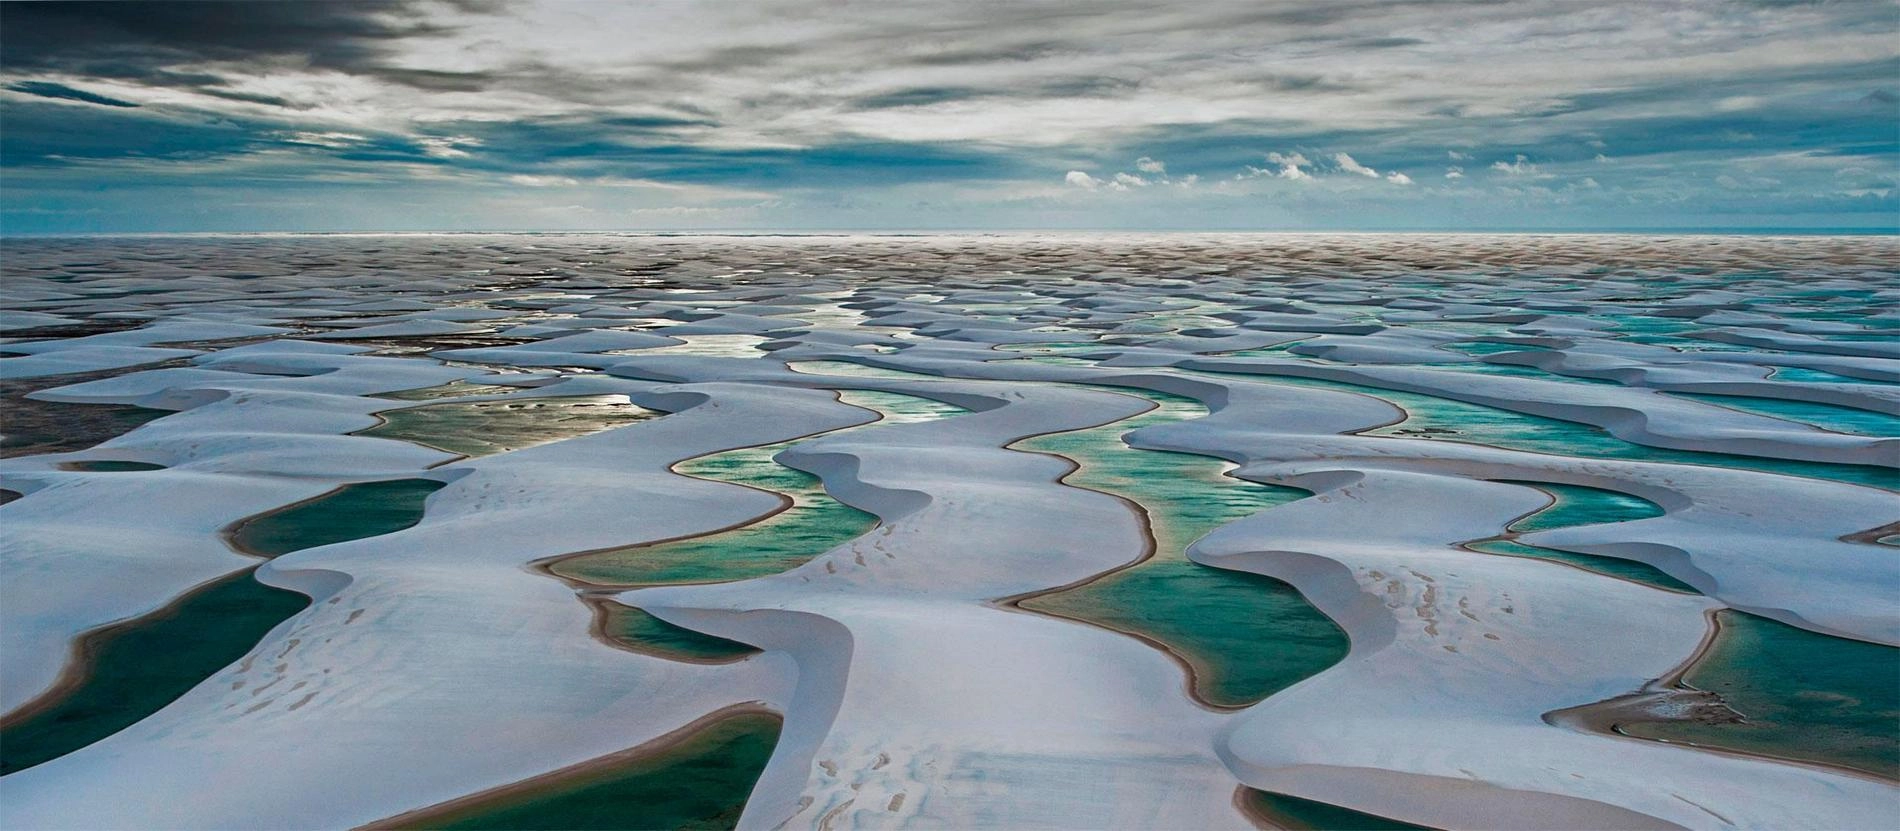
<point x="1441" y="419"/>
<point x="135" y="668"/>
<point x="352" y="512"/>
<point x="1790" y="373"/>
<point x="1804" y="696"/>
<point x="1295" y="814"/>
<point x="1245" y="636"/>
<point x="814" y="524"/>
<point x="110" y="466"/>
<point x="699" y="784"/>
<point x="1579" y="505"/>
<point x="1613" y="566"/>
<point x="639" y="631"/>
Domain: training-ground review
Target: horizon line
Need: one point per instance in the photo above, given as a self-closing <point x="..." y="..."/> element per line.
<point x="1763" y="231"/>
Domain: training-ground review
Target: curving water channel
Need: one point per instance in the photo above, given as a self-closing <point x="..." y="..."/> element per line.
<point x="1442" y="419"/>
<point x="1243" y="636"/>
<point x="813" y="523"/>
<point x="704" y="780"/>
<point x="130" y="670"/>
<point x="636" y="630"/>
<point x="697" y="780"/>
<point x="351" y="512"/>
<point x="127" y="671"/>
<point x="1579" y="505"/>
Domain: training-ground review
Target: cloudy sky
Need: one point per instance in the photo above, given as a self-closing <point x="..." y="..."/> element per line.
<point x="803" y="115"/>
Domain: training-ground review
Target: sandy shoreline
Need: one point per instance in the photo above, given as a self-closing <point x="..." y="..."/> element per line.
<point x="423" y="817"/>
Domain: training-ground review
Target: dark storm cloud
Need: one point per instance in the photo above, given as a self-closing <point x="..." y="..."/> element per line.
<point x="122" y="37"/>
<point x="253" y="98"/>
<point x="1386" y="43"/>
<point x="47" y="89"/>
<point x="970" y="56"/>
<point x="641" y="148"/>
<point x="138" y="41"/>
<point x="1077" y="87"/>
<point x="921" y="96"/>
<point x="436" y="80"/>
<point x="1279" y="82"/>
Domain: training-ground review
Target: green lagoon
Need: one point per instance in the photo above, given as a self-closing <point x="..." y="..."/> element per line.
<point x="133" y="669"/>
<point x="815" y="522"/>
<point x="351" y="512"/>
<point x="1579" y="505"/>
<point x="1245" y="636"/>
<point x="1292" y="813"/>
<point x="637" y="631"/>
<point x="1802" y="696"/>
<point x="1431" y="417"/>
<point x="700" y="783"/>
<point x="484" y="428"/>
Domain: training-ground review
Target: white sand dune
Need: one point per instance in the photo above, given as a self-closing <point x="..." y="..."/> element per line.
<point x="937" y="701"/>
<point x="440" y="661"/>
<point x="440" y="629"/>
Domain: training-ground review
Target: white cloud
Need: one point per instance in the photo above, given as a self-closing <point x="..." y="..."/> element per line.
<point x="1296" y="166"/>
<point x="1082" y="180"/>
<point x="447" y="147"/>
<point x="533" y="181"/>
<point x="329" y="139"/>
<point x="1124" y="181"/>
<point x="1457" y="156"/>
<point x="1521" y="167"/>
<point x="1290" y="164"/>
<point x="1454" y="172"/>
<point x="1350" y="165"/>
